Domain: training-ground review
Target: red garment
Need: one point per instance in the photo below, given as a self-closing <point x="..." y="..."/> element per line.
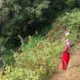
<point x="66" y="55"/>
<point x="65" y="59"/>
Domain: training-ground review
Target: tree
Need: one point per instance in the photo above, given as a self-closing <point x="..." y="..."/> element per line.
<point x="18" y="16"/>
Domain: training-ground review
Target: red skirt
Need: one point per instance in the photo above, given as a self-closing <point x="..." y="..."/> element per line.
<point x="65" y="59"/>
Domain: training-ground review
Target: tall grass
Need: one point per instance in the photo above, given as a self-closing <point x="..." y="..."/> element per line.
<point x="40" y="56"/>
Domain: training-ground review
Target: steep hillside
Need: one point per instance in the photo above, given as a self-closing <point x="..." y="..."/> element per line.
<point x="41" y="54"/>
<point x="73" y="71"/>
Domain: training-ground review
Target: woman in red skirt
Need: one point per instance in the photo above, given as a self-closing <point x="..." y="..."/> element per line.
<point x="66" y="55"/>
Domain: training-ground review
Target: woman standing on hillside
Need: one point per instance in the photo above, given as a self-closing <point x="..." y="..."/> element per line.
<point x="65" y="54"/>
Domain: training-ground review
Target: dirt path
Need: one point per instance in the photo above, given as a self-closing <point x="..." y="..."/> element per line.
<point x="73" y="71"/>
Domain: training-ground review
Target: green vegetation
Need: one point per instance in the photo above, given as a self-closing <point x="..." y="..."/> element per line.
<point x="23" y="18"/>
<point x="27" y="25"/>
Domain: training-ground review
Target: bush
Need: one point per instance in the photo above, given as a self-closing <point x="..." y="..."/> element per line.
<point x="71" y="20"/>
<point x="39" y="63"/>
<point x="39" y="59"/>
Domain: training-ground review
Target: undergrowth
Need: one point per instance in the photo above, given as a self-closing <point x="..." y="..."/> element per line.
<point x="40" y="55"/>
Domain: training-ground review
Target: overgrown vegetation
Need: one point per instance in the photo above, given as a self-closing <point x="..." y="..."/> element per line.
<point x="23" y="18"/>
<point x="31" y="35"/>
<point x="39" y="58"/>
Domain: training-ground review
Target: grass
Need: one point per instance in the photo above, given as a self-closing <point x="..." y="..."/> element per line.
<point x="33" y="41"/>
<point x="40" y="55"/>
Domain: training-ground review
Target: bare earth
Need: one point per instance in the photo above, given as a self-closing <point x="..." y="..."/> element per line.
<point x="73" y="71"/>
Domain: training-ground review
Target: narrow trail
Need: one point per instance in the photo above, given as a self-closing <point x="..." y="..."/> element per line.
<point x="73" y="71"/>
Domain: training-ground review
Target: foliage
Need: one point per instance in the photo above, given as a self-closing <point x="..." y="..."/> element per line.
<point x="23" y="18"/>
<point x="73" y="3"/>
<point x="39" y="57"/>
<point x="38" y="64"/>
<point x="26" y="74"/>
<point x="21" y="14"/>
<point x="33" y="41"/>
<point x="71" y="20"/>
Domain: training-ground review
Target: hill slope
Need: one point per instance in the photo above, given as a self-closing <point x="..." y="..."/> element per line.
<point x="40" y="56"/>
<point x="73" y="71"/>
